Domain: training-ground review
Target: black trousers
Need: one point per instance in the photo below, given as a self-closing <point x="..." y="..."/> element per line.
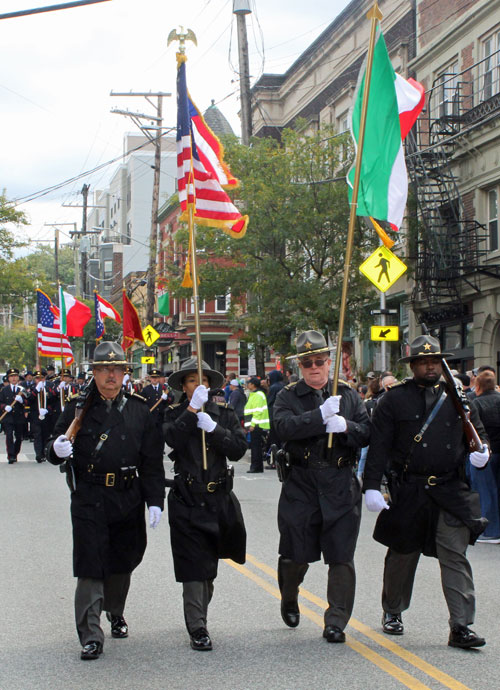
<point x="256" y="449"/>
<point x="41" y="433"/>
<point x="14" y="431"/>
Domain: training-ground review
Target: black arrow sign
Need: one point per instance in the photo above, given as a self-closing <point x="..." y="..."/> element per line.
<point x="383" y="334"/>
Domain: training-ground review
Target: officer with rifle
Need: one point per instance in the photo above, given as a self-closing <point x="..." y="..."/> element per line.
<point x="320" y="504"/>
<point x="422" y="435"/>
<point x="114" y="459"/>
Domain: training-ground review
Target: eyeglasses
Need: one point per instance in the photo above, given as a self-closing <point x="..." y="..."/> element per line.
<point x="307" y="363"/>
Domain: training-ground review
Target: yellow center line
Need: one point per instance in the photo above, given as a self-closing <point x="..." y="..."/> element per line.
<point x="382" y="640"/>
<point x="385" y="665"/>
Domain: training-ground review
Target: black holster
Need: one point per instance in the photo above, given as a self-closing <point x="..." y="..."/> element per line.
<point x="67" y="469"/>
<point x="282" y="461"/>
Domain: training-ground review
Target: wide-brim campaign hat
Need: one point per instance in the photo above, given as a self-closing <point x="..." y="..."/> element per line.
<point x="190" y="366"/>
<point x="108" y="352"/>
<point x="12" y="371"/>
<point x="310" y="343"/>
<point x="425" y="346"/>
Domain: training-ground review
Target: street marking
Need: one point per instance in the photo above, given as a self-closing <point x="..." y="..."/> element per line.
<point x="380" y="639"/>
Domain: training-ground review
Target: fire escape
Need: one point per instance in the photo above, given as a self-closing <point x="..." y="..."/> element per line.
<point x="449" y="248"/>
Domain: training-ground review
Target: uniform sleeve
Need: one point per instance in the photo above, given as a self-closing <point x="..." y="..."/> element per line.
<point x="291" y="423"/>
<point x="381" y="441"/>
<point x="151" y="469"/>
<point x="177" y="428"/>
<point x="61" y="426"/>
<point x="358" y="422"/>
<point x="228" y="438"/>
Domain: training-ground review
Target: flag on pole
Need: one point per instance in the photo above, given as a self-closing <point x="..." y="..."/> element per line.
<point x="393" y="106"/>
<point x="202" y="173"/>
<point x="164" y="304"/>
<point x="132" y="330"/>
<point x="103" y="309"/>
<point x="48" y="330"/>
<point x="74" y="315"/>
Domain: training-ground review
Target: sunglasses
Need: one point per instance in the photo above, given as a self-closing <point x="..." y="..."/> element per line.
<point x="307" y="363"/>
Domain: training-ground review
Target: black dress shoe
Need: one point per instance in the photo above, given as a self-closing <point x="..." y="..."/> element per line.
<point x="11" y="461"/>
<point x="392" y="623"/>
<point x="333" y="634"/>
<point x="254" y="471"/>
<point x="39" y="459"/>
<point x="463" y="637"/>
<point x="200" y="640"/>
<point x="119" y="627"/>
<point x="92" y="650"/>
<point x="290" y="613"/>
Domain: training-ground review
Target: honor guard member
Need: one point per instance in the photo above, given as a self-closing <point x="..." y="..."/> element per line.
<point x="157" y="396"/>
<point x="418" y="440"/>
<point x="42" y="402"/>
<point x="204" y="514"/>
<point x="12" y="407"/>
<point x="319" y="509"/>
<point x="80" y="380"/>
<point x="29" y="385"/>
<point x="117" y="463"/>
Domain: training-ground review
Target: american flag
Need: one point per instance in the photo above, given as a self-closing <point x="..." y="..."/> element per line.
<point x="48" y="333"/>
<point x="201" y="171"/>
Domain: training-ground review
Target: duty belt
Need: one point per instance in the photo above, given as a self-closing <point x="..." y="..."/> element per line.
<point x="209" y="487"/>
<point x="313" y="463"/>
<point x="123" y="479"/>
<point x="429" y="479"/>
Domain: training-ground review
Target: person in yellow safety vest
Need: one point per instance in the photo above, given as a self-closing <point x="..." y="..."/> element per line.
<point x="256" y="422"/>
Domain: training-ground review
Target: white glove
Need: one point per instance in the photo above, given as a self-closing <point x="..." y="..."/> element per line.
<point x="374" y="500"/>
<point x="126" y="379"/>
<point x="200" y="397"/>
<point x="62" y="447"/>
<point x="164" y="396"/>
<point x="42" y="412"/>
<point x="205" y="422"/>
<point x="336" y="425"/>
<point x="8" y="408"/>
<point x="19" y="398"/>
<point x="478" y="458"/>
<point x="39" y="386"/>
<point x="330" y="407"/>
<point x="154" y="516"/>
<point x="62" y="385"/>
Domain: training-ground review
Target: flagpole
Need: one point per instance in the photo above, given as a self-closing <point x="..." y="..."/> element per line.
<point x="60" y="326"/>
<point x="375" y="15"/>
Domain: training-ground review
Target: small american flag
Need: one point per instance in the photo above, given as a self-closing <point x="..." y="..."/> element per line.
<point x="48" y="333"/>
<point x="201" y="170"/>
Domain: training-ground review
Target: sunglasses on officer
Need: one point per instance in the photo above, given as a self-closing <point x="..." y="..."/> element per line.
<point x="307" y="363"/>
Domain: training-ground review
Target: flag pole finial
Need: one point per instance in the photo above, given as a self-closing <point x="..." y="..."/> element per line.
<point x="182" y="36"/>
<point x="375" y="12"/>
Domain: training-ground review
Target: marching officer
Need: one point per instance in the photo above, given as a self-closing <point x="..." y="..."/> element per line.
<point x="418" y="439"/>
<point x="12" y="405"/>
<point x="204" y="514"/>
<point x="157" y="396"/>
<point x="42" y="400"/>
<point x="319" y="509"/>
<point x="117" y="463"/>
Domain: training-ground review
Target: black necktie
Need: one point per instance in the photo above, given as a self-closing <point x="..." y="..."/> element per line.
<point x="430" y="398"/>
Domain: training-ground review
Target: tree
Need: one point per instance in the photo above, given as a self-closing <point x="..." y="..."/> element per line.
<point x="286" y="274"/>
<point x="17" y="347"/>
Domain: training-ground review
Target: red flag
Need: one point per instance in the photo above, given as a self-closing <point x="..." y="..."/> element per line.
<point x="132" y="330"/>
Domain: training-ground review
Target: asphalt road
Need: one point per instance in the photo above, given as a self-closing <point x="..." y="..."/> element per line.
<point x="253" y="649"/>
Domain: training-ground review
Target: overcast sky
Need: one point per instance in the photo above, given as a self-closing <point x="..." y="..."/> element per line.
<point x="58" y="69"/>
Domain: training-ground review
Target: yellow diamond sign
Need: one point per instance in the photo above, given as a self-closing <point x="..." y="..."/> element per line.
<point x="384" y="333"/>
<point x="383" y="268"/>
<point x="150" y="335"/>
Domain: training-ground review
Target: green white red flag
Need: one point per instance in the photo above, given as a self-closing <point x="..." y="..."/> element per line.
<point x="393" y="106"/>
<point x="74" y="315"/>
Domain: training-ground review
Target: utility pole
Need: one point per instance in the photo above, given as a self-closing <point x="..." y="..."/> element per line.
<point x="56" y="254"/>
<point x="240" y="9"/>
<point x="156" y="127"/>
<point x="85" y="194"/>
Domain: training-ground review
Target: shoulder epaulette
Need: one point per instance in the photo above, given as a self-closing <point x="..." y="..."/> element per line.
<point x="398" y="383"/>
<point x="291" y="385"/>
<point x="345" y="383"/>
<point x="173" y="406"/>
<point x="135" y="395"/>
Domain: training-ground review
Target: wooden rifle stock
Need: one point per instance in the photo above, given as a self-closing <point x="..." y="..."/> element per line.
<point x="462" y="407"/>
<point x="80" y="411"/>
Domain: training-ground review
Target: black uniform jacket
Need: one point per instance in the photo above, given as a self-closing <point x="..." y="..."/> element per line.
<point x="109" y="532"/>
<point x="8" y="397"/>
<point x="410" y="523"/>
<point x="204" y="525"/>
<point x="320" y="504"/>
<point x="152" y="395"/>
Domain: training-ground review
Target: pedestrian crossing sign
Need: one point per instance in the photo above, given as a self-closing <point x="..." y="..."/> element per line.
<point x="150" y="335"/>
<point x="383" y="268"/>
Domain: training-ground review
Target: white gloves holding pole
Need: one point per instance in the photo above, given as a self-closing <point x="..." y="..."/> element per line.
<point x="374" y="501"/>
<point x="200" y="397"/>
<point x="62" y="446"/>
<point x="480" y="457"/>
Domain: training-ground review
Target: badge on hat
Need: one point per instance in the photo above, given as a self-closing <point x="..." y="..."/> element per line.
<point x="425" y="346"/>
<point x="310" y="343"/>
<point x="108" y="352"/>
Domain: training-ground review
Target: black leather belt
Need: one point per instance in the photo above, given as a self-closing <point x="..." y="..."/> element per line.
<point x="320" y="464"/>
<point x="429" y="479"/>
<point x="120" y="480"/>
<point x="209" y="487"/>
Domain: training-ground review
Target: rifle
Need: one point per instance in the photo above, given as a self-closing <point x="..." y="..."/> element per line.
<point x="85" y="400"/>
<point x="19" y="391"/>
<point x="460" y="403"/>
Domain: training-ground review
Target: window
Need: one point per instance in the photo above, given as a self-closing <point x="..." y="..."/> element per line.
<point x="493" y="218"/>
<point x="243" y="358"/>
<point x="201" y="303"/>
<point x="453" y="337"/>
<point x="108" y="268"/>
<point x="491" y="66"/>
<point x="222" y="303"/>
<point x="403" y="315"/>
<point x="446" y="93"/>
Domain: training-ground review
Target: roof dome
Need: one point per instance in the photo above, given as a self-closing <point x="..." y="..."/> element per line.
<point x="216" y="120"/>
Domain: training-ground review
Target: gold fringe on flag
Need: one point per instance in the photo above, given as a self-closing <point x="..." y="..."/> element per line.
<point x="187" y="281"/>
<point x="384" y="237"/>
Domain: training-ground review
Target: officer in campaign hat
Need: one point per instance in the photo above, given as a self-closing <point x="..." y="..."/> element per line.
<point x="205" y="517"/>
<point x="418" y="440"/>
<point x="14" y="414"/>
<point x="116" y="457"/>
<point x="321" y="480"/>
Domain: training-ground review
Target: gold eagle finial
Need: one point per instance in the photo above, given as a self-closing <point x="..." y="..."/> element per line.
<point x="182" y="36"/>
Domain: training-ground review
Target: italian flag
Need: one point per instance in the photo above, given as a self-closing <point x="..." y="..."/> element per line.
<point x="74" y="315"/>
<point x="394" y="104"/>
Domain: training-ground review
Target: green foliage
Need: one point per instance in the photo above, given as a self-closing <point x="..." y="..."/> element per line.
<point x="290" y="262"/>
<point x="17" y="347"/>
